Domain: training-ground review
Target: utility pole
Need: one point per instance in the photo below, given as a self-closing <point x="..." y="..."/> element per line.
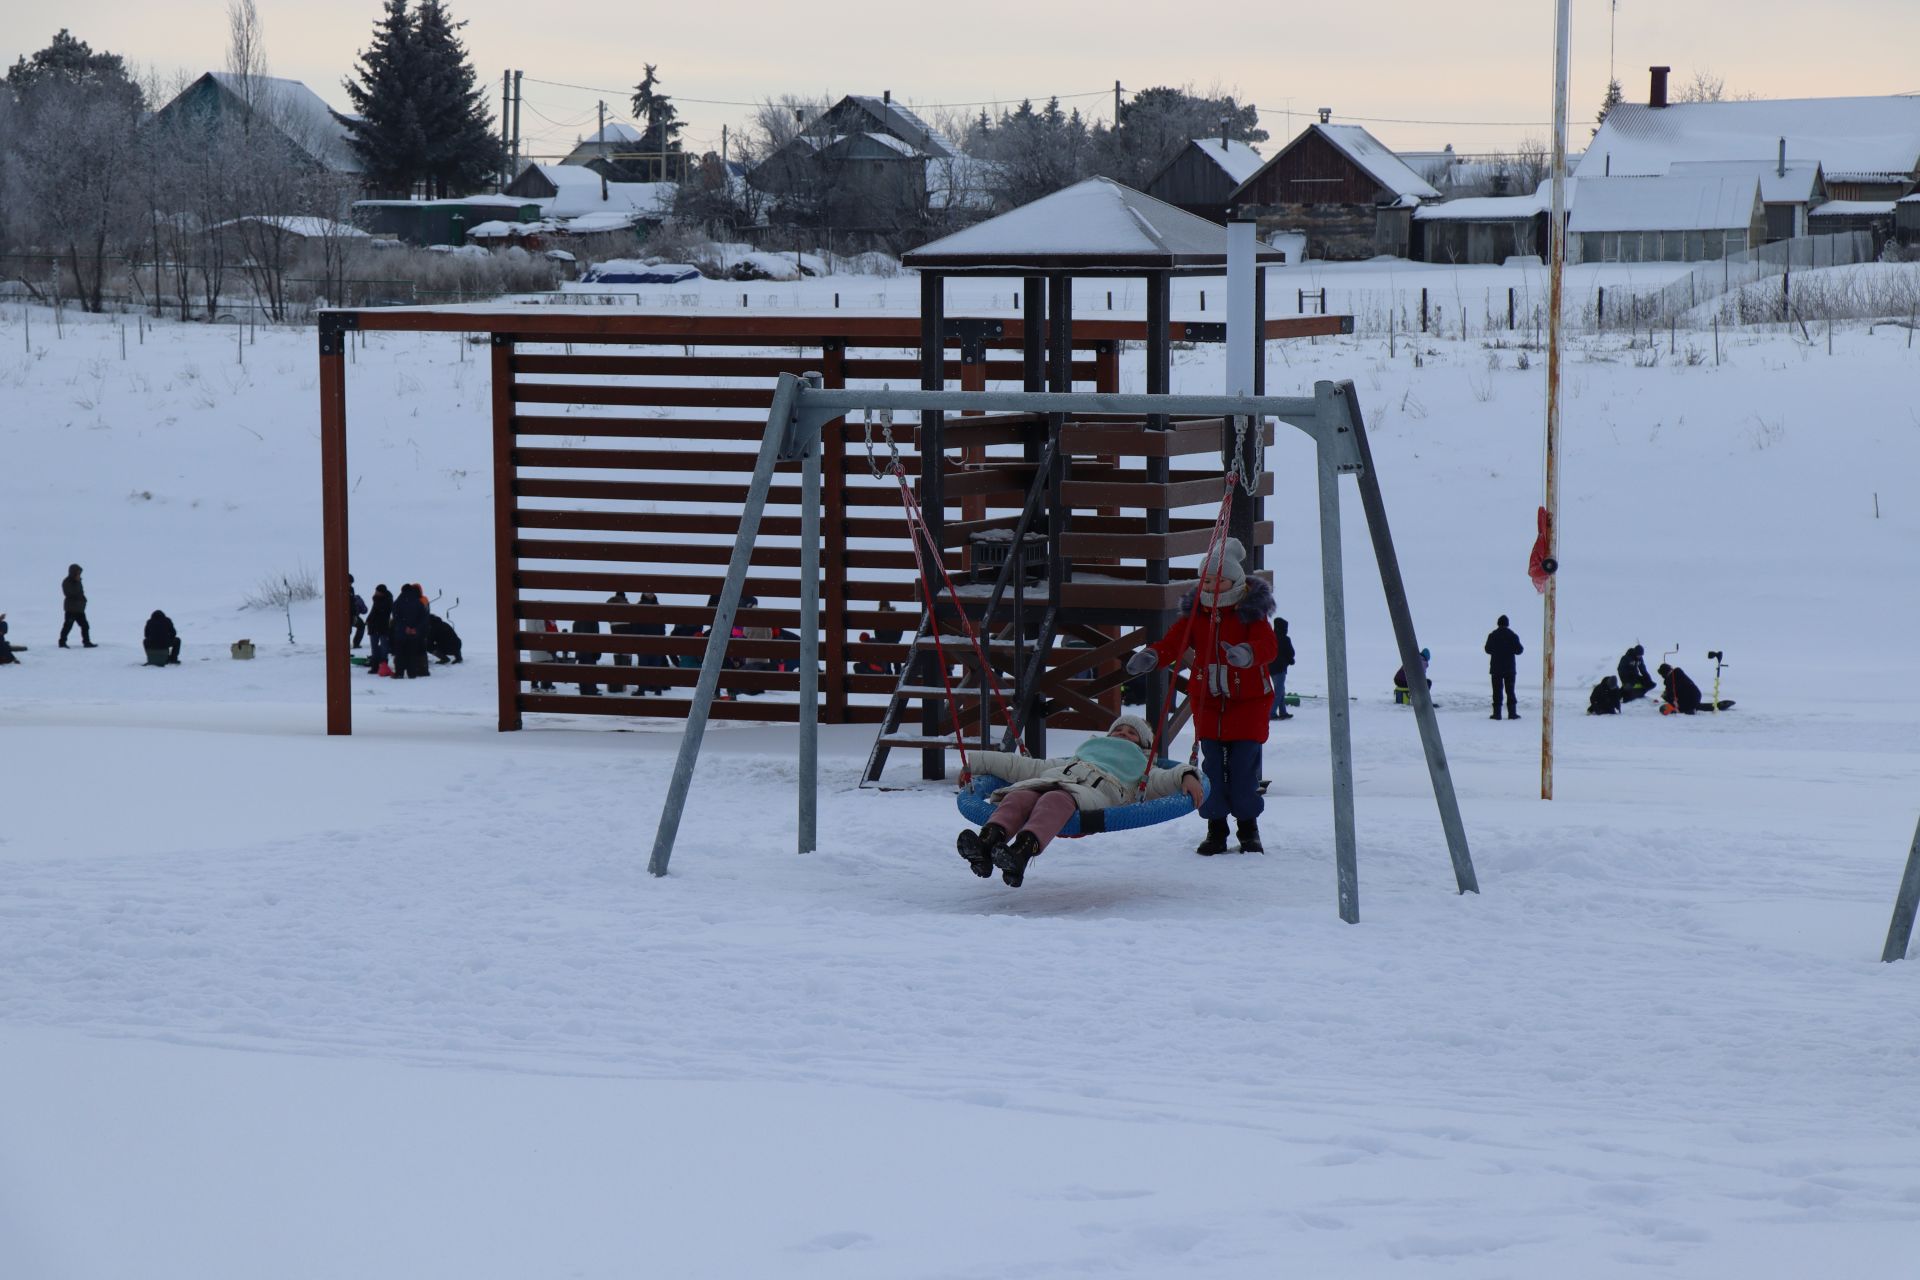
<point x="723" y="151"/>
<point x="601" y="138"/>
<point x="516" y="121"/>
<point x="1116" y="105"/>
<point x="1557" y="232"/>
<point x="506" y="118"/>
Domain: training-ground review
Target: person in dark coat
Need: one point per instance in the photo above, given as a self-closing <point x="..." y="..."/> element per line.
<point x="889" y="634"/>
<point x="1678" y="691"/>
<point x="443" y="642"/>
<point x="380" y="627"/>
<point x="1503" y="646"/>
<point x="410" y="622"/>
<point x="1605" y="698"/>
<point x="162" y="641"/>
<point x="74" y="604"/>
<point x="650" y="659"/>
<point x="620" y="629"/>
<point x="587" y="657"/>
<point x="1281" y="662"/>
<point x="356" y="616"/>
<point x="1634" y="680"/>
<point x="6" y="650"/>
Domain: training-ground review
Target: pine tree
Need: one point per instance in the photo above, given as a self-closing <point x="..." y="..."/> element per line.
<point x="1611" y="101"/>
<point x="659" y="118"/>
<point x="388" y="135"/>
<point x="462" y="151"/>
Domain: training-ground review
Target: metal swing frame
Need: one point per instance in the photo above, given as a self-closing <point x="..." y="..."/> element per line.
<point x="1331" y="417"/>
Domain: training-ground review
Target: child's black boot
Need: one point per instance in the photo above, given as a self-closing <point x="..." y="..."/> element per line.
<point x="977" y="848"/>
<point x="1012" y="858"/>
<point x="1216" y="841"/>
<point x="1249" y="833"/>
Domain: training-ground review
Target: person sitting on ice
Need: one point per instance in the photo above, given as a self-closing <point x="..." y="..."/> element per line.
<point x="1678" y="692"/>
<point x="162" y="641"/>
<point x="6" y="650"/>
<point x="1043" y="794"/>
<point x="1402" y="691"/>
<point x="1634" y="680"/>
<point x="1223" y="623"/>
<point x="1605" y="698"/>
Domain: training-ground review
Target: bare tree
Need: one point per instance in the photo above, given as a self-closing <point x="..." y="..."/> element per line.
<point x="246" y="52"/>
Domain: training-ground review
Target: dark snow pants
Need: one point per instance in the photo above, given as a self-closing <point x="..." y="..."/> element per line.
<point x="1505" y="682"/>
<point x="1233" y="779"/>
<point x="76" y="617"/>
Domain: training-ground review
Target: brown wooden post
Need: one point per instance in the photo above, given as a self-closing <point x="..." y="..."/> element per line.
<point x="506" y="561"/>
<point x="333" y="518"/>
<point x="1159" y="381"/>
<point x="933" y="499"/>
<point x="833" y="537"/>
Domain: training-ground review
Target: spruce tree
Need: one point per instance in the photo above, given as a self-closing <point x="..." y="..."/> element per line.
<point x="388" y="134"/>
<point x="658" y="117"/>
<point x="1611" y="101"/>
<point x="462" y="151"/>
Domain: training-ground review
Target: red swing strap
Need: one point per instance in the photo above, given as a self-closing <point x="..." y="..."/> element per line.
<point x="918" y="533"/>
<point x="1214" y="543"/>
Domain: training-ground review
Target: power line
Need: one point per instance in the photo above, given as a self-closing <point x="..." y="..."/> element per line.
<point x="726" y="102"/>
<point x="1461" y="124"/>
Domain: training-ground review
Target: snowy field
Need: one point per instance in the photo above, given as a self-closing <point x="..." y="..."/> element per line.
<point x="407" y="1004"/>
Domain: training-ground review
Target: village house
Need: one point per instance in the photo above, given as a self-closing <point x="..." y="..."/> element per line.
<point x="311" y="130"/>
<point x="1671" y="219"/>
<point x="1203" y="175"/>
<point x="1342" y="188"/>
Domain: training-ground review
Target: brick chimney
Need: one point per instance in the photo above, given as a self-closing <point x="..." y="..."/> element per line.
<point x="1657" y="91"/>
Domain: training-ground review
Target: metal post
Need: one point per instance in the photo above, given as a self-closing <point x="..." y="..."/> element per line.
<point x="506" y="564"/>
<point x="1401" y="614"/>
<point x="1900" y="932"/>
<point x="810" y="637"/>
<point x="933" y="501"/>
<point x="1558" y="214"/>
<point x="778" y="416"/>
<point x="333" y="523"/>
<point x="1159" y="355"/>
<point x="1339" y="731"/>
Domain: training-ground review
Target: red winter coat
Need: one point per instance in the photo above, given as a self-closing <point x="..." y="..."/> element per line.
<point x="1244" y="714"/>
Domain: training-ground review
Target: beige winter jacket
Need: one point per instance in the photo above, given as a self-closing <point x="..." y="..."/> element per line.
<point x="1090" y="786"/>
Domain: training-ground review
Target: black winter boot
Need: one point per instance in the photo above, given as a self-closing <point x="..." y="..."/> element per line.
<point x="1216" y="841"/>
<point x="1249" y="833"/>
<point x="977" y="848"/>
<point x="1012" y="859"/>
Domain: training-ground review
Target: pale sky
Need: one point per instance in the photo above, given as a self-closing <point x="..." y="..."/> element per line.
<point x="1418" y="74"/>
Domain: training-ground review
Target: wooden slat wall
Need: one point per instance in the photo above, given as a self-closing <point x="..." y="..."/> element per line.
<point x="624" y="465"/>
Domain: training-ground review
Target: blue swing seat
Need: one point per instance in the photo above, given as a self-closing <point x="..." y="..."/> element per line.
<point x="977" y="808"/>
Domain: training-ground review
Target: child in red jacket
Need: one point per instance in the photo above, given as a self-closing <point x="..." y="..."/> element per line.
<point x="1231" y="688"/>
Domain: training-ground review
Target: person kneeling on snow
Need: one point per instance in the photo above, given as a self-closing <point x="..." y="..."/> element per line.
<point x="1634" y="680"/>
<point x="162" y="641"/>
<point x="1605" y="698"/>
<point x="1044" y="794"/>
<point x="1678" y="691"/>
<point x="1231" y="687"/>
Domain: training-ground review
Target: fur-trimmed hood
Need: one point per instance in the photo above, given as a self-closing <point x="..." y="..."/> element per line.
<point x="1255" y="605"/>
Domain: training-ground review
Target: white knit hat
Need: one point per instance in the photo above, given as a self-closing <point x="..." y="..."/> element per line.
<point x="1138" y="725"/>
<point x="1229" y="557"/>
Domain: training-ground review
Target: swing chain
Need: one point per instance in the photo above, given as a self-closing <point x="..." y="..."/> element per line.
<point x="1249" y="482"/>
<point x="886" y="433"/>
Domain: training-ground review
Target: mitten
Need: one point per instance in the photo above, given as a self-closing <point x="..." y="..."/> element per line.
<point x="1237" y="655"/>
<point x="1142" y="662"/>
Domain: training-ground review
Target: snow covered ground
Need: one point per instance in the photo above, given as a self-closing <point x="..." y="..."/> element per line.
<point x="407" y="1004"/>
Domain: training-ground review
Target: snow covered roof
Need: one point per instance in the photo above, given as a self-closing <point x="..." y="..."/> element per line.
<point x="615" y="131"/>
<point x="1852" y="208"/>
<point x="1089" y="226"/>
<point x="578" y="191"/>
<point x="960" y="182"/>
<point x="1868" y="135"/>
<point x="1484" y="209"/>
<point x="300" y="113"/>
<point x="905" y="124"/>
<point x="1799" y="184"/>
<point x="300" y="226"/>
<point x="1721" y="203"/>
<point x="906" y="150"/>
<point x="1379" y="162"/>
<point x="1236" y="159"/>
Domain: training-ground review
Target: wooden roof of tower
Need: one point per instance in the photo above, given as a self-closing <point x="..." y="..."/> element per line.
<point x="1096" y="227"/>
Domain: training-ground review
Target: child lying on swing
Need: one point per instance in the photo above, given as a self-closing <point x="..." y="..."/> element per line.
<point x="1044" y="794"/>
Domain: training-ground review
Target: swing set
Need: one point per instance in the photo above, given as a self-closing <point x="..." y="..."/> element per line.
<point x="803" y="407"/>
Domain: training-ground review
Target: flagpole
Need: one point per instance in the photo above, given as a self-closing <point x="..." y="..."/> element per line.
<point x="1557" y="235"/>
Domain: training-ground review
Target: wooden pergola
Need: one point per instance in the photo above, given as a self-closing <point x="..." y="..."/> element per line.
<point x="657" y="381"/>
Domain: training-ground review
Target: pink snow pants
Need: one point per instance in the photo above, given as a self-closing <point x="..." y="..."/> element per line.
<point x="1041" y="812"/>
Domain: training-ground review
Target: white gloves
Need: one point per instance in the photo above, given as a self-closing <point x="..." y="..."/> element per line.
<point x="1237" y="655"/>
